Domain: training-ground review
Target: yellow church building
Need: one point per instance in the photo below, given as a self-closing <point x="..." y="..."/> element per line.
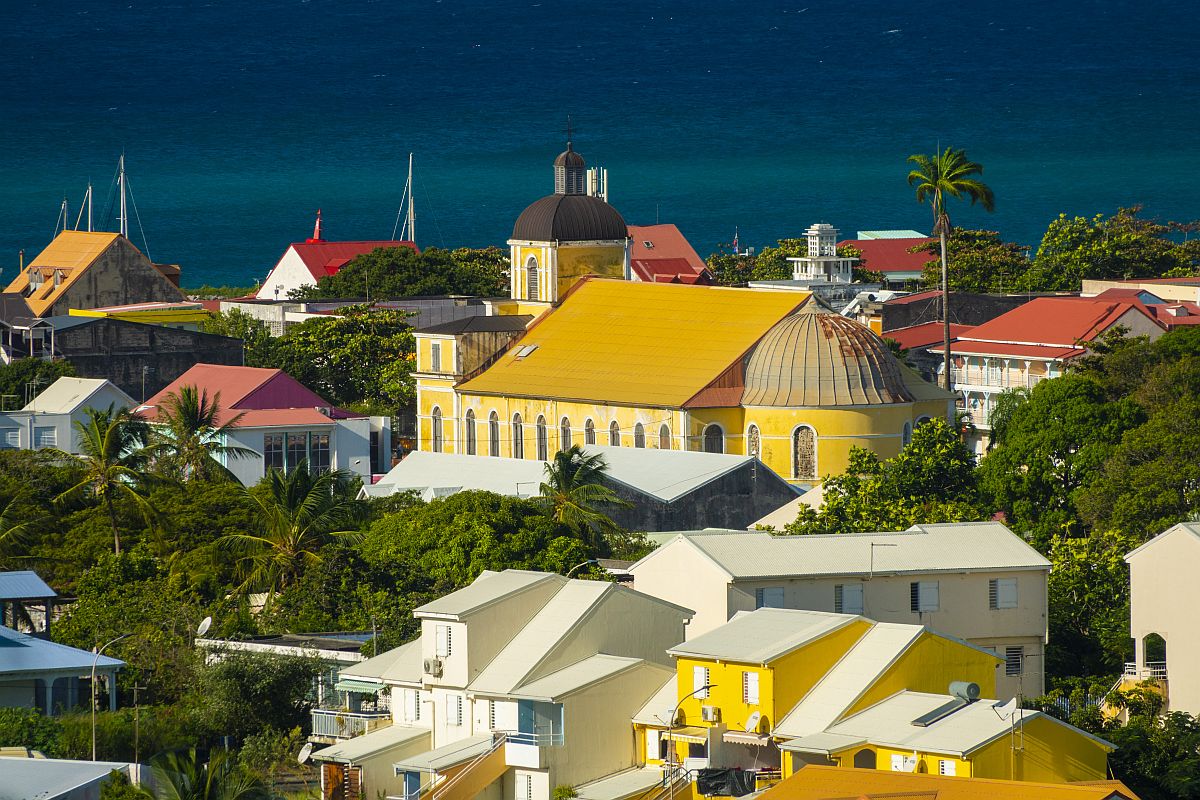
<point x="609" y="360"/>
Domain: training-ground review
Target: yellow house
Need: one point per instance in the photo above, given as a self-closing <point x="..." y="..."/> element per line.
<point x="754" y="372"/>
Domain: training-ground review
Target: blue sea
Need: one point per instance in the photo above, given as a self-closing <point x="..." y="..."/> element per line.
<point x="240" y="118"/>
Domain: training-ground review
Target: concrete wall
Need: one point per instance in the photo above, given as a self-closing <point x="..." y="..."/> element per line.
<point x="679" y="573"/>
<point x="121" y="275"/>
<point x="965" y="309"/>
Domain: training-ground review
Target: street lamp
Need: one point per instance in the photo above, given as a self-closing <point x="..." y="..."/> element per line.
<point x="95" y="661"/>
<point x="571" y="571"/>
<point x="671" y="729"/>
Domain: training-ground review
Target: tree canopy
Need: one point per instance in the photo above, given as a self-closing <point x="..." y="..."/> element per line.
<point x="978" y="261"/>
<point x="396" y="272"/>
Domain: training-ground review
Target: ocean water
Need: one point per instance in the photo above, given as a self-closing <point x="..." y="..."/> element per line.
<point x="239" y="119"/>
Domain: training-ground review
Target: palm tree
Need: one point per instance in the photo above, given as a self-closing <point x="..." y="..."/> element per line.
<point x="112" y="449"/>
<point x="189" y="435"/>
<point x="301" y="511"/>
<point x="185" y="776"/>
<point x="574" y="489"/>
<point x="13" y="533"/>
<point x="947" y="173"/>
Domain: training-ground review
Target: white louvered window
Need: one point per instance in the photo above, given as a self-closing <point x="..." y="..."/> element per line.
<point x="1014" y="660"/>
<point x="454" y="710"/>
<point x="923" y="596"/>
<point x="768" y="597"/>
<point x="946" y="767"/>
<point x="442" y="641"/>
<point x="414" y="705"/>
<point x="524" y="787"/>
<point x="848" y="598"/>
<point x="45" y="437"/>
<point x="750" y="688"/>
<point x="699" y="679"/>
<point x="435" y="357"/>
<point x="1002" y="593"/>
<point x="11" y="438"/>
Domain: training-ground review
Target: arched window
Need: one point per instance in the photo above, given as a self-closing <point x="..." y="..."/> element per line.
<point x="614" y="434"/>
<point x="564" y="434"/>
<point x="753" y="445"/>
<point x="543" y="444"/>
<point x="589" y="432"/>
<point x="518" y="437"/>
<point x="494" y="435"/>
<point x="922" y="420"/>
<point x="864" y="759"/>
<point x="531" y="279"/>
<point x="714" y="439"/>
<point x="469" y="432"/>
<point x="664" y="437"/>
<point x="435" y="422"/>
<point x="906" y="434"/>
<point x="804" y="454"/>
<point x="639" y="435"/>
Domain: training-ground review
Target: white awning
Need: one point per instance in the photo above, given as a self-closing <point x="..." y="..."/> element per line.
<point x="692" y="735"/>
<point x="746" y="737"/>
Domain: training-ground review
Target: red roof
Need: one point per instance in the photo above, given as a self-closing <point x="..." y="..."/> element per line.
<point x="660" y="253"/>
<point x="925" y="334"/>
<point x="1169" y="314"/>
<point x="268" y="396"/>
<point x="912" y="298"/>
<point x="891" y="255"/>
<point x="1061" y="321"/>
<point x="326" y="258"/>
<point x="969" y="347"/>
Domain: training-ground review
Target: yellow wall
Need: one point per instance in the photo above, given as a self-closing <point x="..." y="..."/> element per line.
<point x="929" y="666"/>
<point x="1047" y="752"/>
<point x="576" y="262"/>
<point x="798" y="672"/>
<point x="926" y="762"/>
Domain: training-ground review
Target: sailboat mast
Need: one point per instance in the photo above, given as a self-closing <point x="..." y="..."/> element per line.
<point x="412" y="214"/>
<point x="89" y="204"/>
<point x="124" y="216"/>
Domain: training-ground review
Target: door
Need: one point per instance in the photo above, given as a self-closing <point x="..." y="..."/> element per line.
<point x="333" y="782"/>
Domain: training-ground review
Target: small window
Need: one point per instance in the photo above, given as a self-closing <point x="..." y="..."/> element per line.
<point x="750" y="688"/>
<point x="589" y="432"/>
<point x="804" y="454"/>
<point x="469" y="431"/>
<point x="753" y="442"/>
<point x="297" y="449"/>
<point x="714" y="439"/>
<point x="614" y="434"/>
<point x="45" y="437"/>
<point x="639" y="435"/>
<point x="494" y="435"/>
<point x="564" y="434"/>
<point x="435" y="357"/>
<point x="531" y="279"/>
<point x="768" y="597"/>
<point x="435" y="423"/>
<point x="454" y="709"/>
<point x="700" y="679"/>
<point x="1014" y="660"/>
<point x="664" y="437"/>
<point x="923" y="596"/>
<point x="273" y="451"/>
<point x="946" y="767"/>
<point x="443" y="644"/>
<point x="848" y="598"/>
<point x="1002" y="593"/>
<point x="518" y="437"/>
<point x="318" y="453"/>
<point x="11" y="438"/>
<point x="906" y="434"/>
<point x="491" y="715"/>
<point x="543" y="439"/>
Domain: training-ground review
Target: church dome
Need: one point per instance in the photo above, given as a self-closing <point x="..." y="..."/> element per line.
<point x="814" y="357"/>
<point x="570" y="218"/>
<point x="569" y="158"/>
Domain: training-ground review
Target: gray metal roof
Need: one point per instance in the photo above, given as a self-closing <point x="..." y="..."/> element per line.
<point x="949" y="547"/>
<point x="570" y="218"/>
<point x="581" y="675"/>
<point x="621" y="785"/>
<point x="66" y="395"/>
<point x="369" y="744"/>
<point x="21" y="653"/>
<point x="52" y="778"/>
<point x="490" y="587"/>
<point x="447" y="755"/>
<point x="658" y="708"/>
<point x="402" y="664"/>
<point x="24" y="585"/>
<point x="761" y="636"/>
<point x="481" y="324"/>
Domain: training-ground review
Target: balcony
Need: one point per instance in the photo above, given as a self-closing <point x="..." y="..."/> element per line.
<point x="334" y="725"/>
<point x="546" y="739"/>
<point x="1152" y="671"/>
<point x="994" y="379"/>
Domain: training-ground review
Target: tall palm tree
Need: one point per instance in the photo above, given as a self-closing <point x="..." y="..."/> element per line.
<point x="112" y="447"/>
<point x="189" y="437"/>
<point x="947" y="173"/>
<point x="14" y="532"/>
<point x="574" y="491"/>
<point x="301" y="511"/>
<point x="185" y="776"/>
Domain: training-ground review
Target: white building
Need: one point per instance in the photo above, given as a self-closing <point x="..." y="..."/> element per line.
<point x="520" y="682"/>
<point x="975" y="580"/>
<point x="822" y="264"/>
<point x="49" y="419"/>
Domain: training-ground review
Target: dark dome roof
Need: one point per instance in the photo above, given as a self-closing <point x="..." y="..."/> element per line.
<point x="570" y="218"/>
<point x="569" y="158"/>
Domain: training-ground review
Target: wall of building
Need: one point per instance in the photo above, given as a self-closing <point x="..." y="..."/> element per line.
<point x="929" y="665"/>
<point x="1042" y="750"/>
<point x="120" y="276"/>
<point x="678" y="573"/>
<point x="577" y="261"/>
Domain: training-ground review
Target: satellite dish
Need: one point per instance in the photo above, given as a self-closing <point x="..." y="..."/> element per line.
<point x="1006" y="710"/>
<point x="752" y="722"/>
<point x="205" y="624"/>
<point x="305" y="753"/>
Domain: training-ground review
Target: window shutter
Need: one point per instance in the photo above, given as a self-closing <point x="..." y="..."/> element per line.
<point x="491" y="715"/>
<point x="1006" y="593"/>
<point x="750" y="688"/>
<point x="415" y="705"/>
<point x="700" y="678"/>
<point x="1014" y="658"/>
<point x="993" y="594"/>
<point x="768" y="597"/>
<point x="852" y="598"/>
<point x="924" y="596"/>
<point x="946" y="767"/>
<point x="914" y="597"/>
<point x="442" y="642"/>
<point x="838" y="599"/>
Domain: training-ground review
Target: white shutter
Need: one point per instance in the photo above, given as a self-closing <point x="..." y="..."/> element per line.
<point x="768" y="597"/>
<point x="653" y="737"/>
<point x="441" y="641"/>
<point x="927" y="596"/>
<point x="750" y="688"/>
<point x="1002" y="593"/>
<point x="852" y="598"/>
<point x="946" y="767"/>
<point x="414" y="704"/>
<point x="897" y="763"/>
<point x="700" y="678"/>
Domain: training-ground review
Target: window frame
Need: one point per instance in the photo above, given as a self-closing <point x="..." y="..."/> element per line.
<point x="614" y="434"/>
<point x="518" y="436"/>
<point x="589" y="431"/>
<point x="436" y="441"/>
<point x="840" y="598"/>
<point x="750" y="688"/>
<point x="542" y="438"/>
<point x="469" y="432"/>
<point x="713" y="433"/>
<point x="1002" y="594"/>
<point x="494" y="435"/>
<point x="639" y="435"/>
<point x="761" y="597"/>
<point x="700" y="677"/>
<point x="919" y="597"/>
<point x="1014" y="660"/>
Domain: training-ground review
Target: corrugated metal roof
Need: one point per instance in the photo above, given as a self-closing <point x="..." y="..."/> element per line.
<point x="969" y="347"/>
<point x="24" y="584"/>
<point x="904" y="233"/>
<point x="658" y="708"/>
<point x="569" y="218"/>
<point x="20" y="653"/>
<point x="635" y="343"/>
<point x="761" y="636"/>
<point x="621" y="785"/>
<point x="822" y="782"/>
<point x="926" y="333"/>
<point x="845" y="682"/>
<point x="889" y="254"/>
<point x="52" y="778"/>
<point x="402" y="664"/>
<point x="582" y="674"/>
<point x="447" y="755"/>
<point x="954" y="546"/>
<point x="1061" y="321"/>
<point x="488" y="588"/>
<point x="369" y="744"/>
<point x="66" y="395"/>
<point x="326" y="258"/>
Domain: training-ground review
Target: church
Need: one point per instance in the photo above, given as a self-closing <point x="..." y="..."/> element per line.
<point x="584" y="353"/>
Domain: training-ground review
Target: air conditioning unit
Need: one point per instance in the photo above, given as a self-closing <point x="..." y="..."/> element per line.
<point x="710" y="713"/>
<point x="433" y="666"/>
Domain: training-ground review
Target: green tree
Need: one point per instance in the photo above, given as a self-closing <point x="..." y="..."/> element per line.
<point x="931" y="480"/>
<point x="112" y="449"/>
<point x="1158" y="757"/>
<point x="186" y="776"/>
<point x="947" y="174"/>
<point x="257" y="343"/>
<point x="188" y="442"/>
<point x="244" y="693"/>
<point x="399" y="272"/>
<point x="978" y="261"/>
<point x="27" y="727"/>
<point x="26" y="376"/>
<point x="574" y="493"/>
<point x="1120" y="247"/>
<point x="730" y="268"/>
<point x="299" y="511"/>
<point x="118" y="787"/>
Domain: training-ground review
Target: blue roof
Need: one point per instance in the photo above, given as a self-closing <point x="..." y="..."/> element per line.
<point x="24" y="585"/>
<point x="22" y="653"/>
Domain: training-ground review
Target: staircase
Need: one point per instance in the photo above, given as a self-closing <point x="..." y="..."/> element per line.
<point x="472" y="779"/>
<point x="676" y="783"/>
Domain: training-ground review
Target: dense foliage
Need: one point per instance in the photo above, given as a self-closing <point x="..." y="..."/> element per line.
<point x="395" y="272"/>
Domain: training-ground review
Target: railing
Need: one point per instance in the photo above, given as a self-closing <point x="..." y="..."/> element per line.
<point x="1005" y="379"/>
<point x="536" y="739"/>
<point x="1153" y="670"/>
<point x="347" y="724"/>
<point x="441" y="790"/>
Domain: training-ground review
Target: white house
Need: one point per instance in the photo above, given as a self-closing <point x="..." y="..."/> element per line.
<point x="49" y="419"/>
<point x="974" y="580"/>
<point x="283" y="423"/>
<point x="520" y="682"/>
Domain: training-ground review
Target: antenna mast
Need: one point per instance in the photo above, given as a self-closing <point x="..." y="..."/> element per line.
<point x="123" y="218"/>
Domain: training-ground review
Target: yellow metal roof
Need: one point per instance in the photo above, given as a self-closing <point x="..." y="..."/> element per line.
<point x="815" y="782"/>
<point x="646" y="344"/>
<point x="73" y="251"/>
